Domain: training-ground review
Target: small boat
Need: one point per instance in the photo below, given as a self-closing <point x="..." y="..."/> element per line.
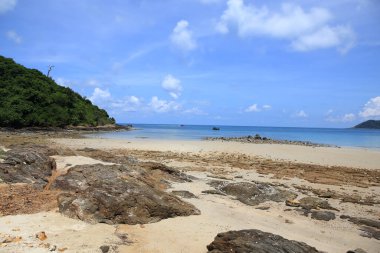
<point x="216" y="128"/>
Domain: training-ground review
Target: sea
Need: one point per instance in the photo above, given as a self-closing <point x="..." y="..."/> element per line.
<point x="343" y="137"/>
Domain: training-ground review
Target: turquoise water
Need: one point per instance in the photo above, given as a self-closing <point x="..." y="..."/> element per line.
<point x="366" y="138"/>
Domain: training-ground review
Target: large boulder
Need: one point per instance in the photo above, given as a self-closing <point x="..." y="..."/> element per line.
<point x="116" y="194"/>
<point x="253" y="193"/>
<point x="27" y="164"/>
<point x="256" y="241"/>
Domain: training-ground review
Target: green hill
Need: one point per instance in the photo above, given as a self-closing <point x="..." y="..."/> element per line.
<point x="28" y="98"/>
<point x="371" y="124"/>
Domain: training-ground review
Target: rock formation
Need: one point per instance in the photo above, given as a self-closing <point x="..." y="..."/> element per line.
<point x="256" y="241"/>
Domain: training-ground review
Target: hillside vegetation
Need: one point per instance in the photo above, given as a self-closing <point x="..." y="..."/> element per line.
<point x="370" y="124"/>
<point x="28" y="98"/>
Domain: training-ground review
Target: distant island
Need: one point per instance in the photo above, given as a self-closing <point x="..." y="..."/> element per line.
<point x="31" y="99"/>
<point x="370" y="124"/>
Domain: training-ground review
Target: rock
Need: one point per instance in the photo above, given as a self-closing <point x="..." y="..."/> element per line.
<point x="27" y="164"/>
<point x="41" y="236"/>
<point x="370" y="228"/>
<point x="53" y="248"/>
<point x="370" y="232"/>
<point x="256" y="241"/>
<point x="263" y="208"/>
<point x="323" y="215"/>
<point x="105" y="248"/>
<point x="315" y="203"/>
<point x="357" y="251"/>
<point x="12" y="239"/>
<point x="216" y="192"/>
<point x="184" y="194"/>
<point x="116" y="195"/>
<point x="292" y="203"/>
<point x="253" y="193"/>
<point x="362" y="221"/>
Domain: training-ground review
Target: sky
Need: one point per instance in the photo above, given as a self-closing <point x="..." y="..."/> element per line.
<point x="303" y="63"/>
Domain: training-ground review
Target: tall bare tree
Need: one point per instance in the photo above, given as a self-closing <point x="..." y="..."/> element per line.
<point x="50" y="69"/>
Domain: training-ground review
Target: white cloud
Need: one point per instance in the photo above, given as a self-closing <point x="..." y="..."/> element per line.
<point x="160" y="106"/>
<point x="182" y="37"/>
<point x="7" y="5"/>
<point x="301" y="114"/>
<point x="371" y="108"/>
<point x="195" y="110"/>
<point x="128" y="104"/>
<point x="256" y="108"/>
<point x="13" y="36"/>
<point x="348" y="117"/>
<point x="172" y="85"/>
<point x="63" y="82"/>
<point x="253" y="108"/>
<point x="302" y="28"/>
<point x="100" y="95"/>
<point x="341" y="37"/>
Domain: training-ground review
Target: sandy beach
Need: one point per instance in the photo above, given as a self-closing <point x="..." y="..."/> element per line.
<point x="348" y="179"/>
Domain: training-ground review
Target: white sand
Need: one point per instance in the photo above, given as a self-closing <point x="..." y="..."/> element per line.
<point x="350" y="157"/>
<point x="221" y="214"/>
<point x="63" y="232"/>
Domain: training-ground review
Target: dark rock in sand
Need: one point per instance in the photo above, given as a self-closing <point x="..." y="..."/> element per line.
<point x="357" y="251"/>
<point x="315" y="203"/>
<point x="215" y="192"/>
<point x="105" y="248"/>
<point x="323" y="215"/>
<point x="27" y="164"/>
<point x="256" y="241"/>
<point x="184" y="194"/>
<point x="362" y="221"/>
<point x="370" y="232"/>
<point x="253" y="193"/>
<point x="370" y="228"/>
<point x="116" y="194"/>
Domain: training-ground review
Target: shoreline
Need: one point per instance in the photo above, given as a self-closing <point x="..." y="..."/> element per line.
<point x="327" y="156"/>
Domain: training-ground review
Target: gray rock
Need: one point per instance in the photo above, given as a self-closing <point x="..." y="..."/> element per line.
<point x="27" y="164"/>
<point x="253" y="193"/>
<point x="357" y="251"/>
<point x="116" y="194"/>
<point x="245" y="241"/>
<point x="184" y="194"/>
<point x="105" y="248"/>
<point x="323" y="215"/>
<point x="315" y="203"/>
<point x="362" y="221"/>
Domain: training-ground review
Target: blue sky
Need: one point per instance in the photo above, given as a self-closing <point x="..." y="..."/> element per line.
<point x="236" y="62"/>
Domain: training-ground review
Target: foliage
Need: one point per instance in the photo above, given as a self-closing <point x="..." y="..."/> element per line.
<point x="29" y="98"/>
<point x="371" y="124"/>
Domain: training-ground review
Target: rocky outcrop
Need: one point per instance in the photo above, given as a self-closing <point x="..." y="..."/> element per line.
<point x="27" y="164"/>
<point x="116" y="194"/>
<point x="257" y="139"/>
<point x="253" y="193"/>
<point x="256" y="241"/>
